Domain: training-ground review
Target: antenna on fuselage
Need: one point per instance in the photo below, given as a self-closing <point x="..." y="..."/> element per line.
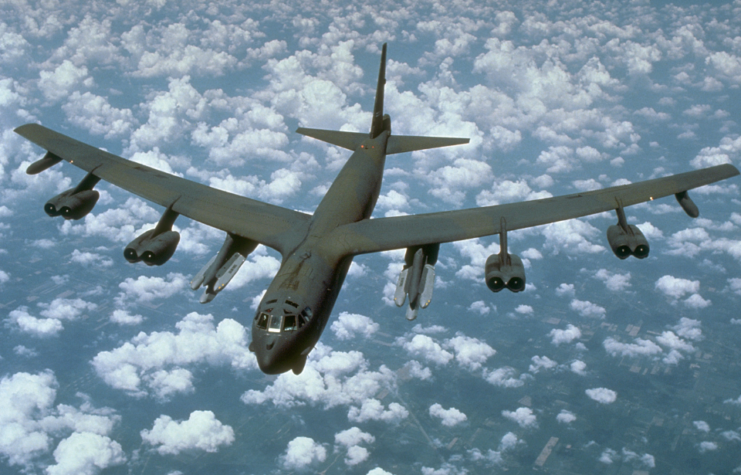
<point x="377" y="123"/>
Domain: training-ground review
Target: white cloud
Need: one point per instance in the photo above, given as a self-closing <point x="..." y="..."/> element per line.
<point x="146" y="289"/>
<point x="87" y="258"/>
<point x="373" y="410"/>
<point x="702" y="426"/>
<point x="54" y="313"/>
<point x="470" y="353"/>
<point x="602" y="395"/>
<point x="427" y="348"/>
<point x="30" y="426"/>
<point x="348" y="325"/>
<point x="523" y="416"/>
<point x="613" y="281"/>
<point x="302" y="452"/>
<point x="449" y="417"/>
<point x="641" y="347"/>
<point x="565" y="417"/>
<point x="122" y="317"/>
<point x="503" y="377"/>
<point x="568" y="335"/>
<point x="707" y="446"/>
<point x="85" y="453"/>
<point x="572" y="236"/>
<point x="541" y="362"/>
<point x="59" y="83"/>
<point x="677" y="287"/>
<point x="579" y="367"/>
<point x="202" y="431"/>
<point x="587" y="308"/>
<point x="156" y="360"/>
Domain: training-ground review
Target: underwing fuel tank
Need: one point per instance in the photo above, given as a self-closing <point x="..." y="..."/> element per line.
<point x="417" y="279"/>
<point x="220" y="270"/>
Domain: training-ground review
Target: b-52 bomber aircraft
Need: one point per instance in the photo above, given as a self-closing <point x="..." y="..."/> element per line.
<point x="317" y="249"/>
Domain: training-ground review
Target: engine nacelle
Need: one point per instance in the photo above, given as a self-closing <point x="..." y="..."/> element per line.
<point x="153" y="249"/>
<point x="627" y="243"/>
<point x="72" y="204"/>
<point x="508" y="272"/>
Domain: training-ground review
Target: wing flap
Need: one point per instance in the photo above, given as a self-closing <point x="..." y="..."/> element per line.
<point x="252" y="219"/>
<point x="382" y="234"/>
<point x="411" y="143"/>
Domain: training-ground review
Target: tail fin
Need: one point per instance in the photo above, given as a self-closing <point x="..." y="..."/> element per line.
<point x="377" y="124"/>
<point x="396" y="143"/>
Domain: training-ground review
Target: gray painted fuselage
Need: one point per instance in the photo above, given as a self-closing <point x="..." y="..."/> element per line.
<point x="312" y="274"/>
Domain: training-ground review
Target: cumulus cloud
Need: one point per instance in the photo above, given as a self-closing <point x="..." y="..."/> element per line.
<point x="348" y="325"/>
<point x="30" y="425"/>
<point x="541" y="362"/>
<point x="565" y="417"/>
<point x="586" y="308"/>
<point x="602" y="395"/>
<point x="613" y="281"/>
<point x="449" y="417"/>
<point x="677" y="287"/>
<point x="641" y="347"/>
<point x="579" y="367"/>
<point x="154" y="362"/>
<point x="427" y="348"/>
<point x="302" y="452"/>
<point x="85" y="453"/>
<point x="351" y="439"/>
<point x="523" y="416"/>
<point x="567" y="335"/>
<point x="201" y="431"/>
<point x="334" y="378"/>
<point x="503" y="377"/>
<point x="146" y="289"/>
<point x="53" y="313"/>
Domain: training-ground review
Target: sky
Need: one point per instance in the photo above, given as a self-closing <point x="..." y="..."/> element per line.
<point x="599" y="366"/>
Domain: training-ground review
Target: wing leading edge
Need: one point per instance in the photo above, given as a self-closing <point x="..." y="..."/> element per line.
<point x="262" y="222"/>
<point x="383" y="234"/>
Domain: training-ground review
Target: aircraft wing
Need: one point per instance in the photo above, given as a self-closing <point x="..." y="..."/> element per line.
<point x="382" y="234"/>
<point x="262" y="222"/>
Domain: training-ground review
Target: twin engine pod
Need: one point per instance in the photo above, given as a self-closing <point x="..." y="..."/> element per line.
<point x="72" y="205"/>
<point x="156" y="246"/>
<point x="505" y="271"/>
<point x="626" y="243"/>
<point x="76" y="202"/>
<point x="153" y="249"/>
<point x="626" y="239"/>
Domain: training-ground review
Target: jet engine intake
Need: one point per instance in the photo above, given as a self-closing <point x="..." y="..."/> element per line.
<point x="76" y="202"/>
<point x="627" y="243"/>
<point x="153" y="249"/>
<point x="505" y="271"/>
<point x="626" y="239"/>
<point x="156" y="246"/>
<point x="220" y="270"/>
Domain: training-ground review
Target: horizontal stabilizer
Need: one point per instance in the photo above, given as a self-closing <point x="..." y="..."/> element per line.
<point x="410" y="143"/>
<point x="348" y="140"/>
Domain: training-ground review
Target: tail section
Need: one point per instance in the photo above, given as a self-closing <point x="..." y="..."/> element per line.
<point x="380" y="123"/>
<point x="377" y="123"/>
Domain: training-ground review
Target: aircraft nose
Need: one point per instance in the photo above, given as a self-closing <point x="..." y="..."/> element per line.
<point x="270" y="359"/>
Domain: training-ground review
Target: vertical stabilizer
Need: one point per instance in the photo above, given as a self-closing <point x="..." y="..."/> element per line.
<point x="377" y="124"/>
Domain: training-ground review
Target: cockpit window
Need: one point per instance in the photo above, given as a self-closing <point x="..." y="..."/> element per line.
<point x="304" y="317"/>
<point x="289" y="323"/>
<point x="262" y="320"/>
<point x="275" y="321"/>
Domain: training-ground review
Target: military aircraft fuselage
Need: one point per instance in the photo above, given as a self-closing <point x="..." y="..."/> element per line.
<point x="296" y="306"/>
